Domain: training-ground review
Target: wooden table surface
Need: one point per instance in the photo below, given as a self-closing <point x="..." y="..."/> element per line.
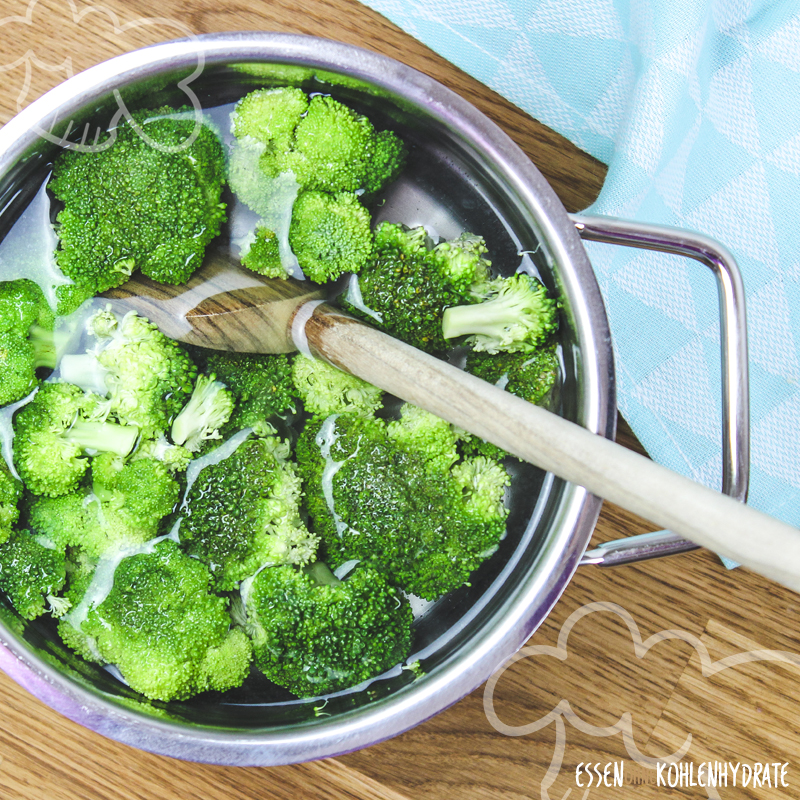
<point x="744" y="713"/>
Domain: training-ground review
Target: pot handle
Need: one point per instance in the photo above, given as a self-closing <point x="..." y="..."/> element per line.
<point x="735" y="386"/>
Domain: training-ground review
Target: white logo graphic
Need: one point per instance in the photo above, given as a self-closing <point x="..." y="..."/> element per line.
<point x="623" y="725"/>
<point x="94" y="16"/>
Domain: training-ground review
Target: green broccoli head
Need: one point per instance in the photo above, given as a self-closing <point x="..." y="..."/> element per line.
<point x="23" y="305"/>
<point x="326" y="390"/>
<point x="124" y="508"/>
<point x="10" y="494"/>
<point x="51" y="436"/>
<point x="80" y="520"/>
<point x="269" y="116"/>
<point x="261" y="385"/>
<point x="208" y="409"/>
<point x="150" y="377"/>
<point x="149" y="201"/>
<point x="517" y="316"/>
<point x="160" y="624"/>
<point x="264" y="254"/>
<point x="26" y="338"/>
<point x="30" y="572"/>
<point x="464" y="264"/>
<point x="406" y="286"/>
<point x="144" y="489"/>
<point x="335" y="149"/>
<point x="330" y="234"/>
<point x="325" y="144"/>
<point x="315" y="634"/>
<point x="375" y="501"/>
<point x="431" y="436"/>
<point x="483" y="483"/>
<point x="242" y="513"/>
<point x="174" y="457"/>
<point x="386" y="162"/>
<point x="70" y="296"/>
<point x="530" y="376"/>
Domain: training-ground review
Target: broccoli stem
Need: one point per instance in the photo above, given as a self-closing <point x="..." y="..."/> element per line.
<point x="208" y="408"/>
<point x="482" y="318"/>
<point x="86" y="371"/>
<point x="321" y="574"/>
<point x="105" y="437"/>
<point x="44" y="346"/>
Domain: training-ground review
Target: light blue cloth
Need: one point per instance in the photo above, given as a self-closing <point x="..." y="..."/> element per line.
<point x="695" y="107"/>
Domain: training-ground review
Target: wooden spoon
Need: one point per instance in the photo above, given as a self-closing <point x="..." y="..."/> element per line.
<point x="225" y="307"/>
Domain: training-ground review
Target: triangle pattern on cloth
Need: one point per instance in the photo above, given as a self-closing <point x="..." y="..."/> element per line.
<point x="670" y="180"/>
<point x="781" y="46"/>
<point x="606" y="116"/>
<point x="771" y="339"/>
<point x="473" y="14"/>
<point x="524" y="74"/>
<point x="746" y="197"/>
<point x="680" y="391"/>
<point x="786" y="156"/>
<point x="730" y="104"/>
<point x="667" y="290"/>
<point x="553" y="16"/>
<point x="777" y="435"/>
<point x="718" y="160"/>
<point x="682" y="59"/>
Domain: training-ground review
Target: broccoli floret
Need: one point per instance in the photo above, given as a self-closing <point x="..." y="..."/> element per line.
<point x="264" y="255"/>
<point x="336" y="149"/>
<point x="373" y="500"/>
<point x="145" y="488"/>
<point x="286" y="143"/>
<point x="326" y="144"/>
<point x="272" y="198"/>
<point x="428" y="434"/>
<point x="315" y="634"/>
<point x="208" y="409"/>
<point x="149" y="201"/>
<point x="51" y="436"/>
<point x="80" y="574"/>
<point x="124" y="507"/>
<point x="23" y="305"/>
<point x="483" y="483"/>
<point x="26" y="338"/>
<point x="261" y="385"/>
<point x="243" y="512"/>
<point x="150" y="377"/>
<point x="463" y="261"/>
<point x="517" y="316"/>
<point x="168" y="635"/>
<point x="407" y="286"/>
<point x="174" y="457"/>
<point x="387" y="161"/>
<point x="79" y="519"/>
<point x="70" y="296"/>
<point x="270" y="116"/>
<point x="30" y="572"/>
<point x="530" y="376"/>
<point x="10" y="494"/>
<point x="326" y="390"/>
<point x="330" y="234"/>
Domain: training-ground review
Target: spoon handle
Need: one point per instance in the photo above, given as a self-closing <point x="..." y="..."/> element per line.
<point x="552" y="443"/>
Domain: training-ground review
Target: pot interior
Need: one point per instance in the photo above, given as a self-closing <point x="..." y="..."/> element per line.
<point x="450" y="185"/>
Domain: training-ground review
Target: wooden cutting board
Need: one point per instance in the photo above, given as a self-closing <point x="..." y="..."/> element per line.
<point x="742" y="713"/>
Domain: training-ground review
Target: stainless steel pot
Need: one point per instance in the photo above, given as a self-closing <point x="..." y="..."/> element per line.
<point x="464" y="173"/>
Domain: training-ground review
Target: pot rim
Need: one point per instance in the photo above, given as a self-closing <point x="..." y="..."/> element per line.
<point x="560" y="555"/>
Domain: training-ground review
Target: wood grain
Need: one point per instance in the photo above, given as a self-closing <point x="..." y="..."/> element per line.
<point x="457" y="753"/>
<point x="223" y="306"/>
